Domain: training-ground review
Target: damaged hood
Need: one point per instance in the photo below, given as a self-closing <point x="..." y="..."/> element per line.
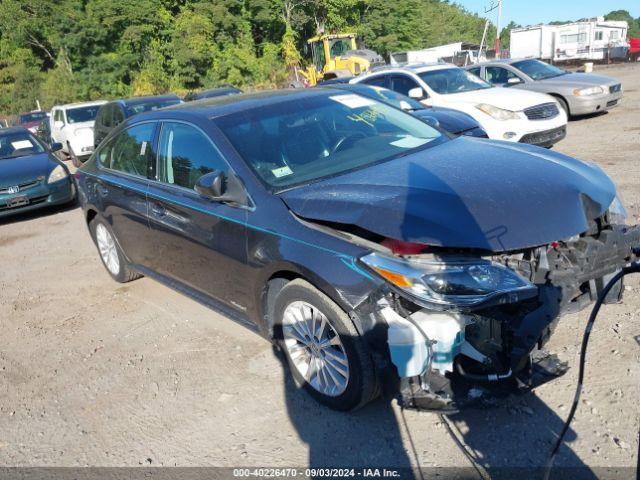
<point x="465" y="193"/>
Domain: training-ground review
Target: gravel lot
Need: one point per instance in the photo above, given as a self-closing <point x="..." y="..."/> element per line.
<point x="96" y="373"/>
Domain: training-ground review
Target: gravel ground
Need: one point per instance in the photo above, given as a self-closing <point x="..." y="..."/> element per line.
<point x="96" y="373"/>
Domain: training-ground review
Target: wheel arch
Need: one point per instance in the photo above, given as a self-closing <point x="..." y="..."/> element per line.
<point x="564" y="100"/>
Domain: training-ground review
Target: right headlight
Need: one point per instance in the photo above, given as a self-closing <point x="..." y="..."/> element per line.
<point x="451" y="283"/>
<point x="617" y="212"/>
<point x="497" y="112"/>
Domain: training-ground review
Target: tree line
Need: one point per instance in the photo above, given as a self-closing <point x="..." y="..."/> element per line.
<point x="67" y="50"/>
<point x="59" y="51"/>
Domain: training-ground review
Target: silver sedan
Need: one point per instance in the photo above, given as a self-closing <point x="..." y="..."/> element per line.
<point x="577" y="93"/>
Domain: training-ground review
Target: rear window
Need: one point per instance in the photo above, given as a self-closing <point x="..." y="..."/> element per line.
<point x="32" y="117"/>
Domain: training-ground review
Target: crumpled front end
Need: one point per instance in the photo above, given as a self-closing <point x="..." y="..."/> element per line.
<point x="448" y="356"/>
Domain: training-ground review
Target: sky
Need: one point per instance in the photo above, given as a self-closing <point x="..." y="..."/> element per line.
<point x="528" y="12"/>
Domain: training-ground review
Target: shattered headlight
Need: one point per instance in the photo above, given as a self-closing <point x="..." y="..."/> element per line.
<point x="455" y="282"/>
<point x="497" y="112"/>
<point x="617" y="212"/>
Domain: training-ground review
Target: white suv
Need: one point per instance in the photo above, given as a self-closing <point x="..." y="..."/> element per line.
<point x="72" y="126"/>
<point x="505" y="114"/>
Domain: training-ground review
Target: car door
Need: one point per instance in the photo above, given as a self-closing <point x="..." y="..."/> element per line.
<point x="198" y="241"/>
<point x="120" y="189"/>
<point x="499" y="76"/>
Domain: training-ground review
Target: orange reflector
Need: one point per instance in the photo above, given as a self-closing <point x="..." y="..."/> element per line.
<point x="395" y="278"/>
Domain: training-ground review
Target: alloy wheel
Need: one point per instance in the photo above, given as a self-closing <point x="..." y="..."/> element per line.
<point x="315" y="349"/>
<point x="107" y="248"/>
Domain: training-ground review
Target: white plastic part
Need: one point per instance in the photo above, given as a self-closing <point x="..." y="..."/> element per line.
<point x="446" y="329"/>
<point x="407" y="346"/>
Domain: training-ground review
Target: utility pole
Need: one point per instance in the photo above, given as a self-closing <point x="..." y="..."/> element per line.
<point x="492" y="6"/>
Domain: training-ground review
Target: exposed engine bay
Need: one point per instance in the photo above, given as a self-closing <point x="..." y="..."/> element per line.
<point x="476" y="351"/>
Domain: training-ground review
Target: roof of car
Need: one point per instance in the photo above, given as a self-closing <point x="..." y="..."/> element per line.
<point x="10" y="130"/>
<point x="151" y="98"/>
<point x="507" y="61"/>
<point x="220" y="106"/>
<point x="412" y="67"/>
<point x="80" y="104"/>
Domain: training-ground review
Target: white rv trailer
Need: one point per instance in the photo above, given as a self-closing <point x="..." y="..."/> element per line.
<point x="593" y="39"/>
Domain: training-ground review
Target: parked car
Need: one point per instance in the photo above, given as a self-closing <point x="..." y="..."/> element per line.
<point x="212" y="93"/>
<point x="342" y="229"/>
<point x="31" y="120"/>
<point x="577" y="93"/>
<point x="31" y="177"/>
<point x="72" y="127"/>
<point x="453" y="121"/>
<point x="114" y="113"/>
<point x="505" y="114"/>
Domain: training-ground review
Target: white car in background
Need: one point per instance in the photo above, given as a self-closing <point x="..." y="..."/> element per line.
<point x="72" y="126"/>
<point x="505" y="114"/>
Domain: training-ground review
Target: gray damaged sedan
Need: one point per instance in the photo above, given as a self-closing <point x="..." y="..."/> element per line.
<point x="577" y="93"/>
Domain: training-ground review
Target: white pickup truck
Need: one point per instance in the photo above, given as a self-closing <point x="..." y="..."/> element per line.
<point x="72" y="126"/>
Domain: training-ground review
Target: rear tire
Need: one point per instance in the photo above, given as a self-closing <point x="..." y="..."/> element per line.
<point x="336" y="368"/>
<point x="110" y="253"/>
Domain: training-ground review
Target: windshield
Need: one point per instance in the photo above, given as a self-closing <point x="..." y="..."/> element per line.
<point x="32" y="117"/>
<point x="149" y="106"/>
<point x="538" y="70"/>
<point x="305" y="139"/>
<point x="82" y="114"/>
<point x="389" y="97"/>
<point x="452" y="80"/>
<point x="18" y="144"/>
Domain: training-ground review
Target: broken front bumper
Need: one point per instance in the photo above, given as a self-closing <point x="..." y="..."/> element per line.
<point x="451" y="360"/>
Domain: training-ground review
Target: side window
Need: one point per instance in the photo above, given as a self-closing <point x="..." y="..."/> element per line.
<point x="402" y="84"/>
<point x="498" y="75"/>
<point x="475" y="71"/>
<point x="118" y="116"/>
<point x="130" y="151"/>
<point x="185" y="154"/>
<point x="58" y="116"/>
<point x="379" y="81"/>
<point x="104" y="116"/>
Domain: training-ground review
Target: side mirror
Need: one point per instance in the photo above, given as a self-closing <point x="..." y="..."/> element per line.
<point x="417" y="93"/>
<point x="211" y="185"/>
<point x="55" y="147"/>
<point x="222" y="188"/>
<point x="58" y="124"/>
<point x="514" y="81"/>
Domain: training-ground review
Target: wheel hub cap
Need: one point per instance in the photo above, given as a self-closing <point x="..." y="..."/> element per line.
<point x="315" y="349"/>
<point x="107" y="248"/>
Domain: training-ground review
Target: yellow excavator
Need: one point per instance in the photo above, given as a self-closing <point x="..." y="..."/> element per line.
<point x="337" y="55"/>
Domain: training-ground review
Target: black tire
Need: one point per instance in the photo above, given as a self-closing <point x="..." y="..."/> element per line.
<point x="565" y="106"/>
<point x="125" y="272"/>
<point x="362" y="385"/>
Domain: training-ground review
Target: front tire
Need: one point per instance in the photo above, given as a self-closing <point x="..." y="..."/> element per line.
<point x="325" y="353"/>
<point x="110" y="253"/>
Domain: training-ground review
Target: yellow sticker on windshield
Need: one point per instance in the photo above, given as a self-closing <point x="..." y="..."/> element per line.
<point x="353" y="101"/>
